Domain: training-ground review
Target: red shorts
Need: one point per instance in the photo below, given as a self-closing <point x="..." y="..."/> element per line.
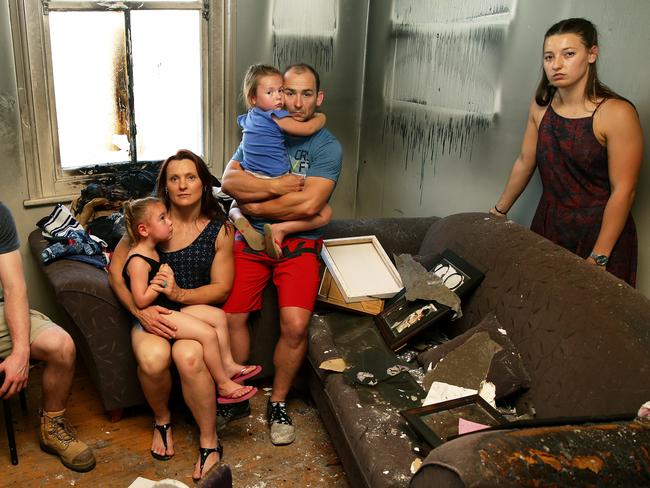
<point x="296" y="275"/>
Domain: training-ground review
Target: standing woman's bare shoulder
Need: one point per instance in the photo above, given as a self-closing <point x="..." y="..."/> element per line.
<point x="616" y="117"/>
<point x="536" y="112"/>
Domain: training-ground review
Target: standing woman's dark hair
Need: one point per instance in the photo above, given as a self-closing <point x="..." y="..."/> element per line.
<point x="588" y="33"/>
<point x="210" y="206"/>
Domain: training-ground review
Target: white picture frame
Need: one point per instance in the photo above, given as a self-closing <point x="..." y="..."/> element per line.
<point x="361" y="268"/>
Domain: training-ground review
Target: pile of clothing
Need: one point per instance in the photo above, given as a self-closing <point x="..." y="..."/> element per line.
<point x="94" y="224"/>
<point x="99" y="206"/>
<point x="69" y="239"/>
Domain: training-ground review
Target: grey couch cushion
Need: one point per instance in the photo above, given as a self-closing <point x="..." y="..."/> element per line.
<point x="366" y="418"/>
<point x="507" y="371"/>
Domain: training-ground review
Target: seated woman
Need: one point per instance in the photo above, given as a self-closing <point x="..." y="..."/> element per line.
<point x="200" y="253"/>
<point x="148" y="226"/>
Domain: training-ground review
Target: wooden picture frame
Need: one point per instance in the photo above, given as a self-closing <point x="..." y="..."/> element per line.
<point x="329" y="292"/>
<point x="361" y="268"/>
<point x="438" y="423"/>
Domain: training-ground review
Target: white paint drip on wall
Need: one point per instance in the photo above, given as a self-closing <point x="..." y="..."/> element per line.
<point x="413" y="11"/>
<point x="444" y="85"/>
<point x="304" y="31"/>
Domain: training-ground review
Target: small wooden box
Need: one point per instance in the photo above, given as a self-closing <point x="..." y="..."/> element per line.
<point x="361" y="268"/>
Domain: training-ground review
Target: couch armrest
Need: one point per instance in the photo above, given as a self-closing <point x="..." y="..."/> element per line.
<point x="397" y="235"/>
<point x="98" y="324"/>
<point x="603" y="454"/>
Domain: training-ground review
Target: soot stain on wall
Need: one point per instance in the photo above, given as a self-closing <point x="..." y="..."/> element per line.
<point x="318" y="52"/>
<point x="442" y="83"/>
<point x="304" y="31"/>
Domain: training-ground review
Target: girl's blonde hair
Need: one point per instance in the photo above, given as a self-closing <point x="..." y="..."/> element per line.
<point x="135" y="212"/>
<point x="252" y="78"/>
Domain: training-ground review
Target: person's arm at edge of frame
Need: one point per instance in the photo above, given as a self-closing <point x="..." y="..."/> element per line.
<point x="222" y="274"/>
<point x="151" y="318"/>
<point x="524" y="166"/>
<point x="16" y="308"/>
<point x="624" y="137"/>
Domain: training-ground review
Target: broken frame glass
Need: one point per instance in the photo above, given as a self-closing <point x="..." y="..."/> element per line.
<point x="440" y="422"/>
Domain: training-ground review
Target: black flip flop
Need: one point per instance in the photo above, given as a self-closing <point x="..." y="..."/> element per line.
<point x="204" y="452"/>
<point x="162" y="429"/>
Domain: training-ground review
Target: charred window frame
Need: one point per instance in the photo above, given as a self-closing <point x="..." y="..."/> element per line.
<point x="47" y="181"/>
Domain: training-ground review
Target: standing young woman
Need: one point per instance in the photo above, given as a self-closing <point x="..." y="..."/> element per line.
<point x="587" y="142"/>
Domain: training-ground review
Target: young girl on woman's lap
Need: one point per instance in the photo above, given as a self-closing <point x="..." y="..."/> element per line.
<point x="147" y="225"/>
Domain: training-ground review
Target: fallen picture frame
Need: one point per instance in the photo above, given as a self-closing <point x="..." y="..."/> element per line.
<point x="456" y="273"/>
<point x="441" y="422"/>
<point x="361" y="268"/>
<point x="402" y="319"/>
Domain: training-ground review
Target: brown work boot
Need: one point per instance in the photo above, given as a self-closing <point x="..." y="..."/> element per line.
<point x="58" y="437"/>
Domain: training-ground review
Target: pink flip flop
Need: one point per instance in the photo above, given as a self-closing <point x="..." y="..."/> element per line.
<point x="223" y="400"/>
<point x="272" y="247"/>
<point x="241" y="376"/>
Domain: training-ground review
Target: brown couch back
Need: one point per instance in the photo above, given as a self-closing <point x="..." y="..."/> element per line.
<point x="583" y="334"/>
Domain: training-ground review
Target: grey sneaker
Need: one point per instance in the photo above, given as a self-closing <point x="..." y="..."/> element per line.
<point x="282" y="430"/>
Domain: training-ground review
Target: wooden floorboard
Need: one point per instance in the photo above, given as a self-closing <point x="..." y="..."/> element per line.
<point x="122" y="448"/>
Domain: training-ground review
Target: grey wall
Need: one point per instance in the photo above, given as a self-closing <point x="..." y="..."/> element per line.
<point x="13" y="182"/>
<point x="414" y="162"/>
<point x="440" y="185"/>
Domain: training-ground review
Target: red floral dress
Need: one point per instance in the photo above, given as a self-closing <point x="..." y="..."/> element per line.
<point x="573" y="168"/>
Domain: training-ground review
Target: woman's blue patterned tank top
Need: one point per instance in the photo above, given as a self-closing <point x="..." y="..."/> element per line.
<point x="191" y="265"/>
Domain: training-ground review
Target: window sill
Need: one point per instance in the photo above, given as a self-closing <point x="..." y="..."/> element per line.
<point x="46" y="201"/>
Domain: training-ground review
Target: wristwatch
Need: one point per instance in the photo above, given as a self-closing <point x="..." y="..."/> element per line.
<point x="601" y="259"/>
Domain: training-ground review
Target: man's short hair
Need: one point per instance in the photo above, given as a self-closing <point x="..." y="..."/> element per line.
<point x="301" y="68"/>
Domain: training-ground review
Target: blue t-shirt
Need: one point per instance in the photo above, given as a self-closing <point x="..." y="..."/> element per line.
<point x="317" y="155"/>
<point x="263" y="142"/>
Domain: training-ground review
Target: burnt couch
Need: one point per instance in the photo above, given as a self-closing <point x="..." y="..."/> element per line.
<point x="583" y="335"/>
